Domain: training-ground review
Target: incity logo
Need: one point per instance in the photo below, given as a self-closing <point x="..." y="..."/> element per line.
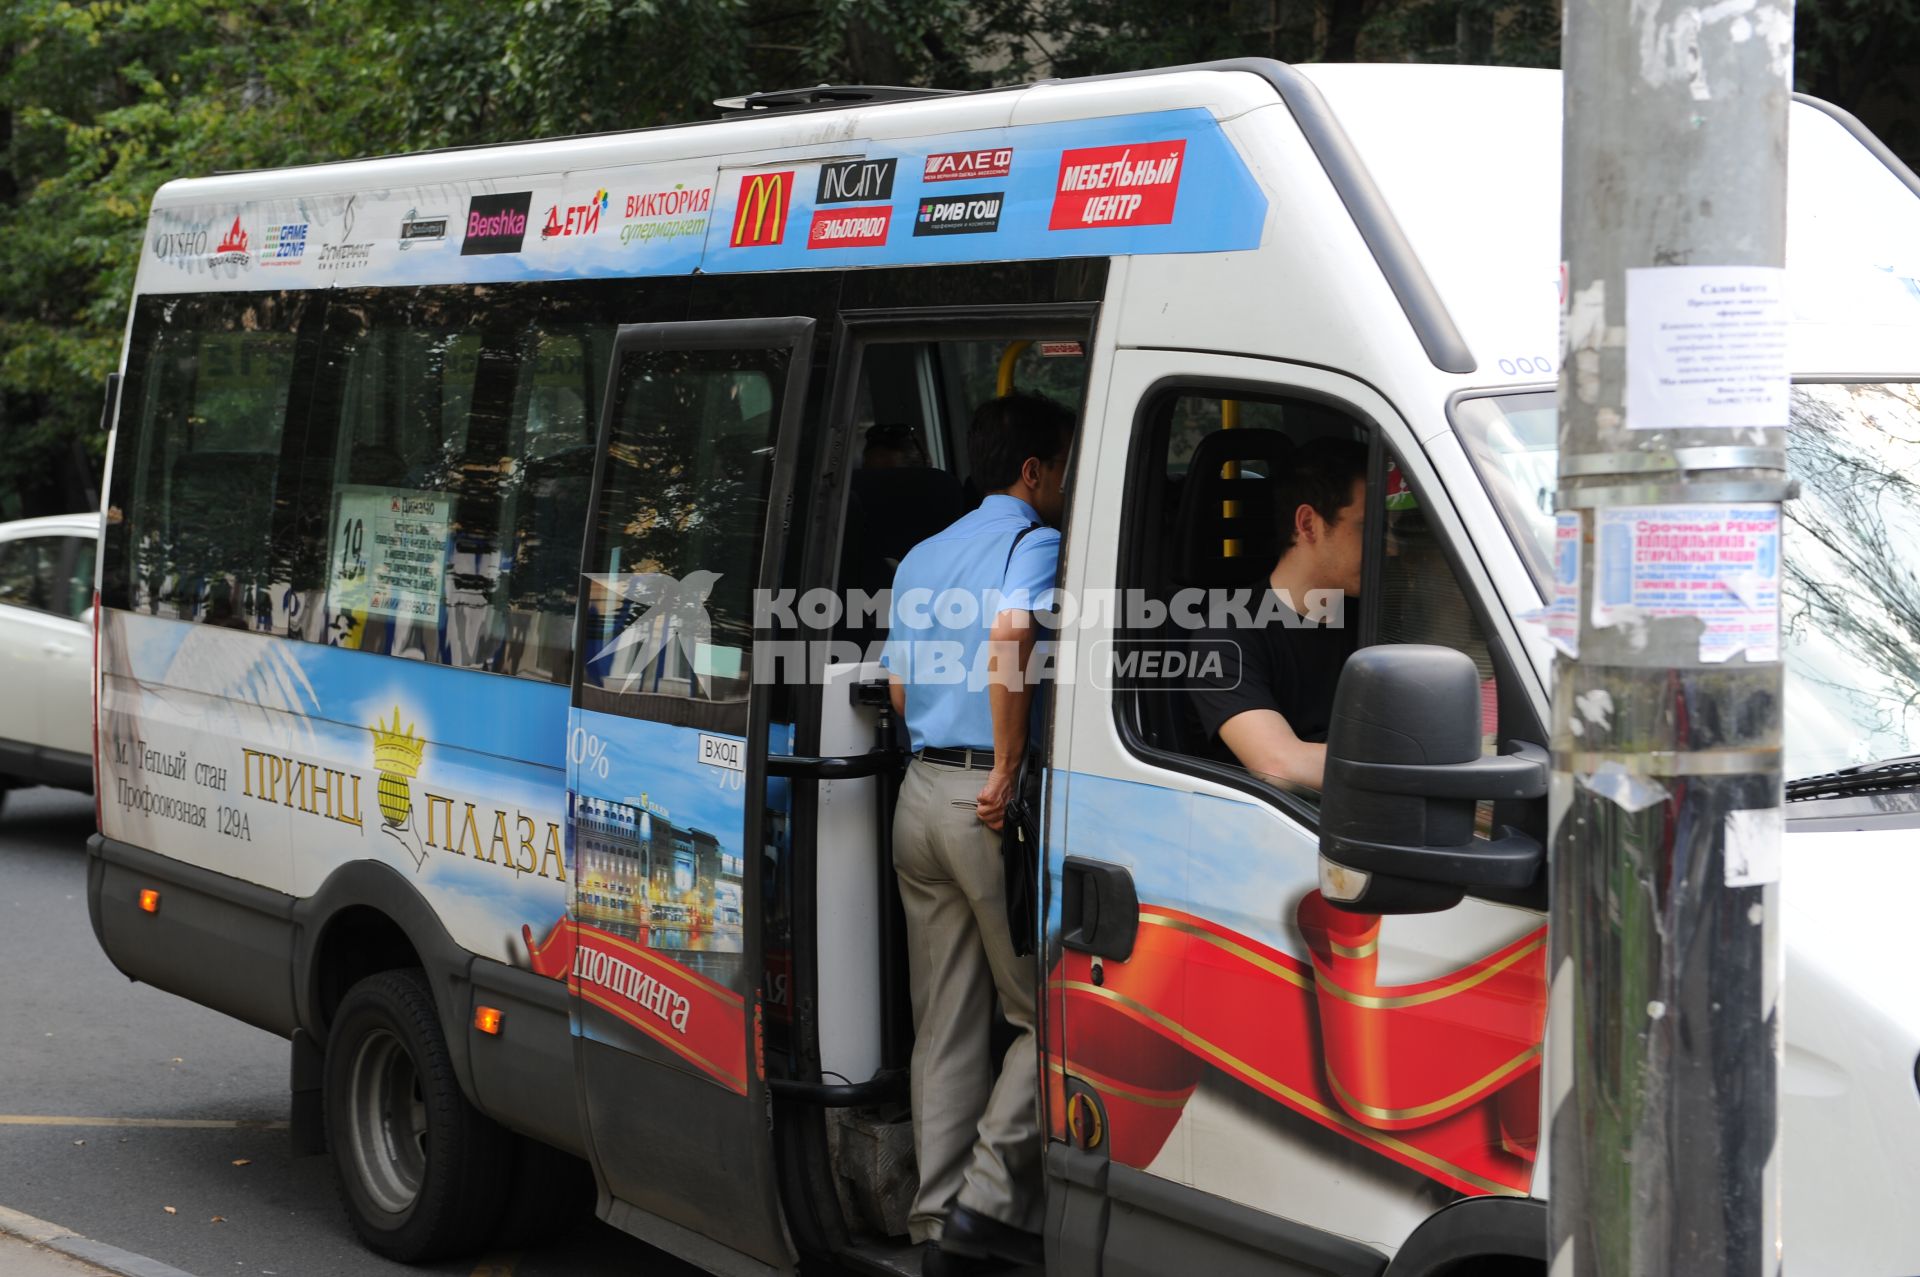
<point x="761" y="218"/>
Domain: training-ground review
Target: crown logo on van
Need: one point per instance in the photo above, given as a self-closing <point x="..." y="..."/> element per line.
<point x="396" y="757"/>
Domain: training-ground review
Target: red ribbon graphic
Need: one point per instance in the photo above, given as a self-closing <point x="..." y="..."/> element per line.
<point x="1441" y="1076"/>
<point x="702" y="1022"/>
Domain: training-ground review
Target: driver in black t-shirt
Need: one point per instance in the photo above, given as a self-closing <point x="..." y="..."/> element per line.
<point x="1268" y="702"/>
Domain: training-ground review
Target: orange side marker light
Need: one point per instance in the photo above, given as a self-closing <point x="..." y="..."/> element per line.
<point x="149" y="900"/>
<point x="487" y="1019"/>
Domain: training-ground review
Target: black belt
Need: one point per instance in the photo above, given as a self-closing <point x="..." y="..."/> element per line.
<point x="976" y="759"/>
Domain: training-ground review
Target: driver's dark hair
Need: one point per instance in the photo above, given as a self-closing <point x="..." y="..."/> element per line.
<point x="1008" y="430"/>
<point x="1320" y="474"/>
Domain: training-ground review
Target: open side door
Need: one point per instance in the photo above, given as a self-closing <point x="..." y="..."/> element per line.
<point x="671" y="815"/>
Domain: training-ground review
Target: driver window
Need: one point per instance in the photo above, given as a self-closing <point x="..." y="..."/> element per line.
<point x="1258" y="521"/>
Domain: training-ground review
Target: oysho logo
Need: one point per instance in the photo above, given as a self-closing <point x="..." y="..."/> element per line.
<point x="850" y="227"/>
<point x="855" y="181"/>
<point x="416" y="227"/>
<point x="178" y="246"/>
<point x="575" y="219"/>
<point x="1118" y="186"/>
<point x="761" y="218"/>
<point x="959" y="214"/>
<point x="958" y="166"/>
<point x="496" y="223"/>
<point x="285" y="245"/>
<point x="232" y="249"/>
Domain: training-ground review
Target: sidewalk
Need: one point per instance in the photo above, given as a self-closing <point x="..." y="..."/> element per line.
<point x="21" y="1258"/>
<point x="32" y="1247"/>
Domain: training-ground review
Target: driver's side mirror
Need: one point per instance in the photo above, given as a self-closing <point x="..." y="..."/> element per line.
<point x="1404" y="773"/>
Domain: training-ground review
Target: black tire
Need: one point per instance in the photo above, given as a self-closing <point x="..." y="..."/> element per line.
<point x="421" y="1170"/>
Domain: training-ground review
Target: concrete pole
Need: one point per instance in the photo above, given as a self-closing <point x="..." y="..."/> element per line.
<point x="1664" y="1028"/>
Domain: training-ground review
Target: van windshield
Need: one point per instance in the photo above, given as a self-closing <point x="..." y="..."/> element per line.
<point x="1851" y="577"/>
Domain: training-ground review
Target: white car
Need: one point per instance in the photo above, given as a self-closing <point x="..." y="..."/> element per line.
<point x="46" y="636"/>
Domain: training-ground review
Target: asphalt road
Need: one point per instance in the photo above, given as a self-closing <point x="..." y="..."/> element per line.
<point x="141" y="1120"/>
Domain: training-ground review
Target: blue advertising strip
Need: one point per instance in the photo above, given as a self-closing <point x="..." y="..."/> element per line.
<point x="517" y="719"/>
<point x="1155" y="182"/>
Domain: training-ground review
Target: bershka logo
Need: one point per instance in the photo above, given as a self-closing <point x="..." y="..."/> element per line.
<point x="761" y="218"/>
<point x="417" y="227"/>
<point x="496" y="223"/>
<point x="959" y="166"/>
<point x="850" y="227"/>
<point x="576" y="219"/>
<point x="959" y="214"/>
<point x="856" y="182"/>
<point x="232" y="249"/>
<point x="1118" y="186"/>
<point x="178" y="246"/>
<point x="284" y="245"/>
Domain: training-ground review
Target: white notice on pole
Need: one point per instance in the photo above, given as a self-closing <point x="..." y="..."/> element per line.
<point x="1706" y="347"/>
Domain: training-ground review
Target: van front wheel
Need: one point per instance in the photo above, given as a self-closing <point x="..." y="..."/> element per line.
<point x="421" y="1169"/>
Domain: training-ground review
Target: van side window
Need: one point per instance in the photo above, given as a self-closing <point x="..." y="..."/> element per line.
<point x="215" y="387"/>
<point x="1217" y="479"/>
<point x="462" y="462"/>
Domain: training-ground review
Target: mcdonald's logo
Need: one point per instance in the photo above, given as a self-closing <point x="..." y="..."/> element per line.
<point x="761" y="217"/>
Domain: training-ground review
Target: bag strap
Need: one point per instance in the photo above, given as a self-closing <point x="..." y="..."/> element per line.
<point x="1018" y="537"/>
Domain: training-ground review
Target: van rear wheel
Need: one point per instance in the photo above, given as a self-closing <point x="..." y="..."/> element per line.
<point x="420" y="1168"/>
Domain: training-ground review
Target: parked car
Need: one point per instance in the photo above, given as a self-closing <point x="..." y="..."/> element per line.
<point x="46" y="636"/>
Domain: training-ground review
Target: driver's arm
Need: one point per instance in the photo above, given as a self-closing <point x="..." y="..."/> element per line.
<point x="1266" y="746"/>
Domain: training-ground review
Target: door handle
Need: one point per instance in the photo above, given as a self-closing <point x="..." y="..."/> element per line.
<point x="1099" y="910"/>
<point x="56" y="649"/>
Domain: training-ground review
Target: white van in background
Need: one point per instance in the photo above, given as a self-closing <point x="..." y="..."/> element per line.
<point x="46" y="642"/>
<point x="436" y="708"/>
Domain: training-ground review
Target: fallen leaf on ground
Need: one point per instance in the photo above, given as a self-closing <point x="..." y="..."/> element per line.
<point x="243" y="1161"/>
<point x="78" y="1143"/>
<point x="218" y="1219"/>
<point x="170" y="1210"/>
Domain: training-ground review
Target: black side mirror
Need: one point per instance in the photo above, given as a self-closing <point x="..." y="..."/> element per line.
<point x="1404" y="771"/>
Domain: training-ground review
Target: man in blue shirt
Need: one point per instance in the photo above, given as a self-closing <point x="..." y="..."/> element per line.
<point x="960" y="653"/>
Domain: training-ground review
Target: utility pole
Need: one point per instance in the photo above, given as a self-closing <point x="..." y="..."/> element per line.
<point x="1664" y="1028"/>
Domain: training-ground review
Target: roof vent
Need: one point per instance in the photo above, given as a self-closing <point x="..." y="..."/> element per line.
<point x="825" y="95"/>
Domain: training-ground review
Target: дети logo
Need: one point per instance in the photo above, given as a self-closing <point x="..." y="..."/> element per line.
<point x="496" y="223"/>
<point x="575" y="219"/>
<point x="959" y="214"/>
<point x="850" y="227"/>
<point x="959" y="166"/>
<point x="761" y="218"/>
<point x="1118" y="186"/>
<point x="416" y="227"/>
<point x="855" y="182"/>
<point x="232" y="249"/>
<point x="284" y="245"/>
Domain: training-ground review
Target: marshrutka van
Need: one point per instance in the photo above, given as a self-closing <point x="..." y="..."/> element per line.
<point x="487" y="698"/>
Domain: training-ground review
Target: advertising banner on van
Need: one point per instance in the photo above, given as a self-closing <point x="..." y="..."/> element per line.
<point x="1156" y="182"/>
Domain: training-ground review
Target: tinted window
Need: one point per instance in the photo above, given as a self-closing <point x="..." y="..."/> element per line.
<point x="77" y="588"/>
<point x="676" y="548"/>
<point x="206" y="466"/>
<point x="462" y="460"/>
<point x="27" y="567"/>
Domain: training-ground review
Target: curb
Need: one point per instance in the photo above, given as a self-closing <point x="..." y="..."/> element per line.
<point x="68" y="1242"/>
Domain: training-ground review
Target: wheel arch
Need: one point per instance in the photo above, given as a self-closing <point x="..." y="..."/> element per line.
<point x="1453" y="1240"/>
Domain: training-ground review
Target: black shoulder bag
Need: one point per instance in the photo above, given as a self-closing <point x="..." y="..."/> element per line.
<point x="1020" y="830"/>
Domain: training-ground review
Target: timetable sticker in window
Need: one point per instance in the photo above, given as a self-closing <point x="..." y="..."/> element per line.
<point x="389" y="552"/>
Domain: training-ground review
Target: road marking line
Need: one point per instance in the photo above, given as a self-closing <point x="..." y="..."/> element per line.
<point x="73" y="1245"/>
<point x="161" y="1123"/>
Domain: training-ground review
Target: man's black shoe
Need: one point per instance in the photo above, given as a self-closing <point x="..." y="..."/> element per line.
<point x="935" y="1262"/>
<point x="968" y="1232"/>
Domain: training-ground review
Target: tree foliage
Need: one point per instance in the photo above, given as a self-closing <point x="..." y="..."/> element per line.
<point x="102" y="101"/>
